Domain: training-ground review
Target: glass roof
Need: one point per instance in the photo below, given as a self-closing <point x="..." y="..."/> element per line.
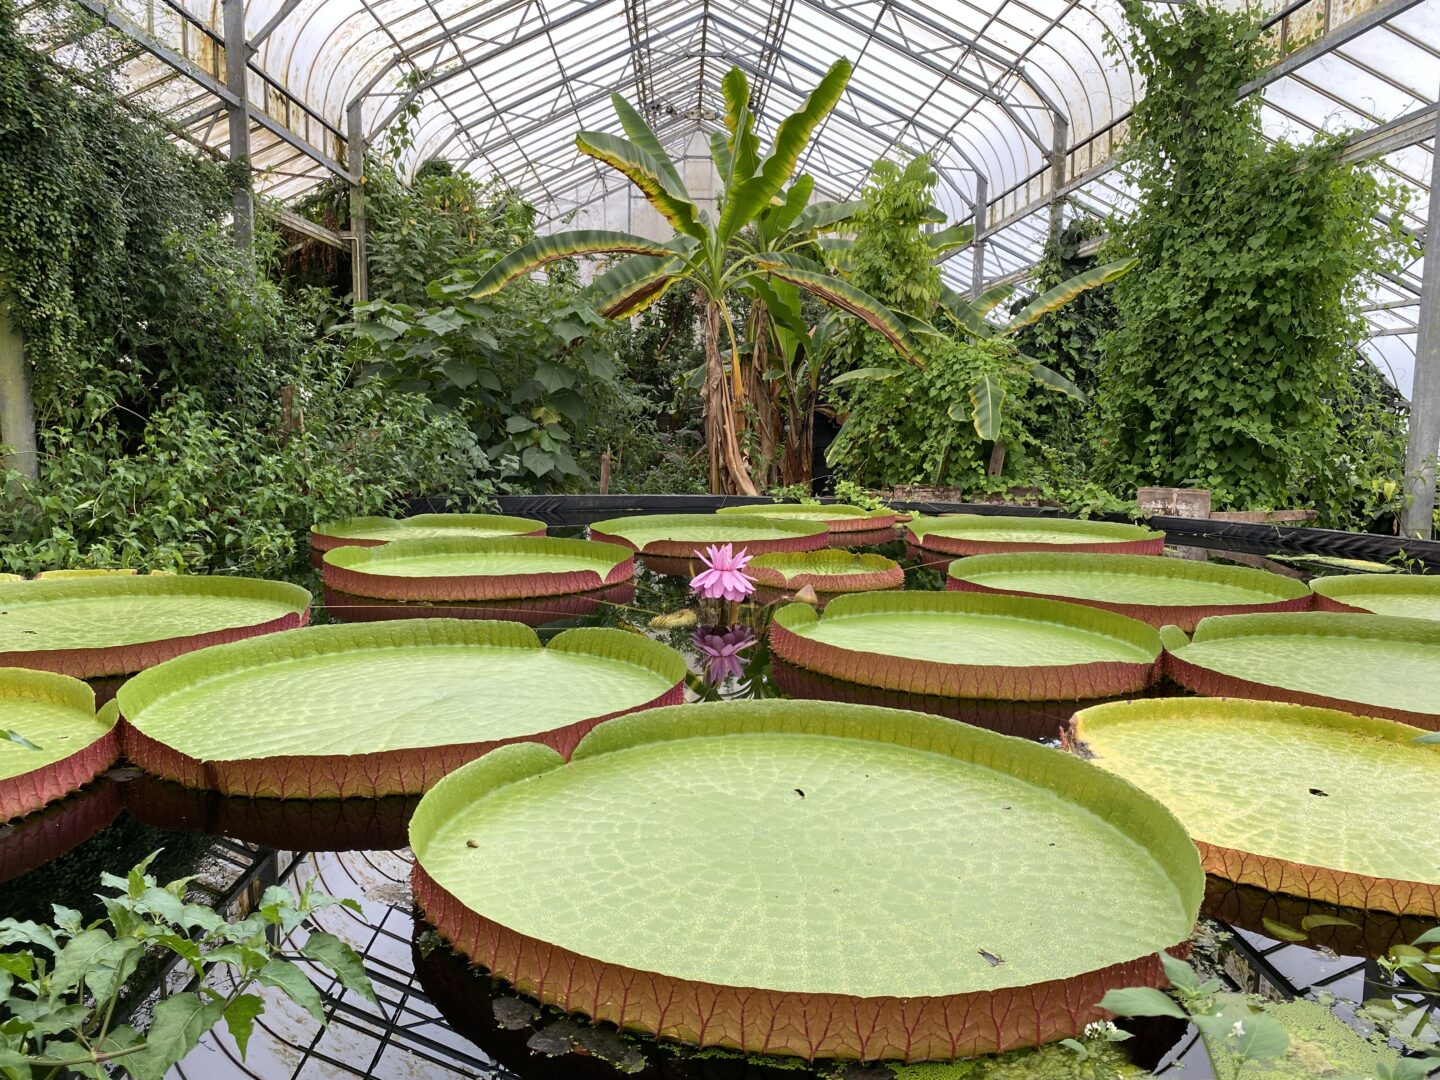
<point x="988" y="87"/>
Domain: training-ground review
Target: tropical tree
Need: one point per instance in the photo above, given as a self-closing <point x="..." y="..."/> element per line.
<point x="987" y="396"/>
<point x="756" y="241"/>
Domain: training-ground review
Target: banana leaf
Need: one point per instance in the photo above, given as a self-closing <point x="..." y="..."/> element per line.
<point x="642" y="135"/>
<point x="814" y="279"/>
<point x="1066" y="291"/>
<point x="629" y="287"/>
<point x="567" y="245"/>
<point x="644" y="172"/>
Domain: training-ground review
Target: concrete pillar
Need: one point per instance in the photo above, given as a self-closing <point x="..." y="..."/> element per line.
<point x="17" y="406"/>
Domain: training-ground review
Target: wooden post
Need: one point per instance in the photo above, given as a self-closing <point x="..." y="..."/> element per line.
<point x="17" y="406"/>
<point x="605" y="472"/>
<point x="359" y="266"/>
<point x="237" y="55"/>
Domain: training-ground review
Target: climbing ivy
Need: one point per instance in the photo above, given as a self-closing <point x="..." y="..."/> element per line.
<point x="1237" y="339"/>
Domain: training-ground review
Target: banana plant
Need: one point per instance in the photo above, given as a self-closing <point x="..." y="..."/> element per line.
<point x="759" y="237"/>
<point x="987" y="396"/>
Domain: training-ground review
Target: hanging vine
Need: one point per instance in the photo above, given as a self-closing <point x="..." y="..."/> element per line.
<point x="1236" y="341"/>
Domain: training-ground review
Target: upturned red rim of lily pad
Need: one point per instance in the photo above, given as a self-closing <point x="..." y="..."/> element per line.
<point x="826" y="571"/>
<point x="374" y="531"/>
<point x="998" y="534"/>
<point x="686" y="536"/>
<point x="1329" y="660"/>
<point x="507" y="568"/>
<point x="93" y="627"/>
<point x="61" y="743"/>
<point x="600" y="955"/>
<point x="837" y="517"/>
<point x="1266" y="802"/>
<point x="1161" y="592"/>
<point x="970" y="645"/>
<point x="532" y="611"/>
<point x="377" y="709"/>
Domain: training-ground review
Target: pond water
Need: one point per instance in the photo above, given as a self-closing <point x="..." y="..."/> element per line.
<point x="435" y="1018"/>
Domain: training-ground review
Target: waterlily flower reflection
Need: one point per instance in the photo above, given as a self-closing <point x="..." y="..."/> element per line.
<point x="720" y="647"/>
<point x="724" y="576"/>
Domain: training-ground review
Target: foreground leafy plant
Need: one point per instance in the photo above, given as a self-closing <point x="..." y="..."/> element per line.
<point x="1414" y="971"/>
<point x="59" y="990"/>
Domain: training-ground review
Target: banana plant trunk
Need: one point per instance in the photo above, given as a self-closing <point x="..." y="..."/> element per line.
<point x="729" y="470"/>
<point x="997" y="458"/>
<point x="764" y="412"/>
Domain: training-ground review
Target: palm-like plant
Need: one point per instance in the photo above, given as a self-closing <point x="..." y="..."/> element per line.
<point x="756" y="242"/>
<point x="987" y="396"/>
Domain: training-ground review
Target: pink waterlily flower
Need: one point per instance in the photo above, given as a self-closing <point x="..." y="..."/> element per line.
<point x="720" y="648"/>
<point x="724" y="577"/>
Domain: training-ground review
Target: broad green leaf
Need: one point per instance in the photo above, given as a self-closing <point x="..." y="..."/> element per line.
<point x="1283" y="931"/>
<point x="838" y="293"/>
<point x="179" y="1022"/>
<point x="744" y="150"/>
<point x="745" y="201"/>
<point x="826" y="214"/>
<point x="1181" y="975"/>
<point x="547" y="249"/>
<point x="1080" y="1050"/>
<point x="340" y="958"/>
<point x="992" y="297"/>
<point x="644" y="172"/>
<point x="865" y="374"/>
<point x="240" y="1019"/>
<point x="956" y="236"/>
<point x="18" y="739"/>
<point x="1141" y="1001"/>
<point x="111" y="966"/>
<point x="1053" y="380"/>
<point x="1067" y="290"/>
<point x="1430" y="937"/>
<point x="286" y="977"/>
<point x="720" y="155"/>
<point x="75" y="959"/>
<point x="1311" y="922"/>
<point x="987" y="399"/>
<point x="777" y="220"/>
<point x="642" y="135"/>
<point x="966" y="313"/>
<point x="629" y="287"/>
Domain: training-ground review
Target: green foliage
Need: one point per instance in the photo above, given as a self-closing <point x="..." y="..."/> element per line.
<point x="60" y="984"/>
<point x="1235" y="344"/>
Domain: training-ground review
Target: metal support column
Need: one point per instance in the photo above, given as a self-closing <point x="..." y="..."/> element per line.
<point x="17" y="406"/>
<point x="1057" y="177"/>
<point x="977" y="246"/>
<point x="1424" y="440"/>
<point x="237" y="53"/>
<point x="359" y="269"/>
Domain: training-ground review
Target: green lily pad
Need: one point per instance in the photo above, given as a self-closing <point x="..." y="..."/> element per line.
<point x="1409" y="596"/>
<point x="466" y="569"/>
<point x="381" y="530"/>
<point x="115" y="624"/>
<point x="828" y="571"/>
<point x="970" y="645"/>
<point x="51" y="739"/>
<point x="1335" y="562"/>
<point x="1283" y="796"/>
<point x="996" y="534"/>
<point x="687" y="535"/>
<point x="838" y="517"/>
<point x="380" y="708"/>
<point x="766" y="863"/>
<point x="1368" y="664"/>
<point x="1158" y="591"/>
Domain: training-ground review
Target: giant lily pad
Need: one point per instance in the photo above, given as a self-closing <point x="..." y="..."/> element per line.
<point x="810" y="879"/>
<point x="1160" y="592"/>
<point x="56" y="742"/>
<point x="1409" y="596"/>
<point x="837" y="517"/>
<point x="372" y="531"/>
<point x="463" y="569"/>
<point x="995" y="534"/>
<point x="381" y="708"/>
<point x="688" y="535"/>
<point x="114" y="625"/>
<point x="969" y="645"/>
<point x="827" y="571"/>
<point x="1374" y="665"/>
<point x="1284" y="796"/>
